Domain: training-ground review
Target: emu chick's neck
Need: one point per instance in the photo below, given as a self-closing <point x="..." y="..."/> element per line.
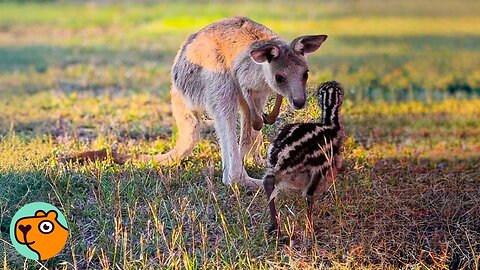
<point x="331" y="116"/>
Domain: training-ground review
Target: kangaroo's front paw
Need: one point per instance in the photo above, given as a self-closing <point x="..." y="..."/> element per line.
<point x="257" y="123"/>
<point x="267" y="119"/>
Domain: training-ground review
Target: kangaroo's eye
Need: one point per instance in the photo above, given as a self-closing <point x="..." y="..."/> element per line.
<point x="305" y="75"/>
<point x="280" y="79"/>
<point x="45" y="226"/>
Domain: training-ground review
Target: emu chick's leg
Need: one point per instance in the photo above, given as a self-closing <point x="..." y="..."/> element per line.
<point x="310" y="209"/>
<point x="272" y="116"/>
<point x="315" y="178"/>
<point x="269" y="185"/>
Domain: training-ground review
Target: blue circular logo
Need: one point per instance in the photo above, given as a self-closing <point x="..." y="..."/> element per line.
<point x="38" y="231"/>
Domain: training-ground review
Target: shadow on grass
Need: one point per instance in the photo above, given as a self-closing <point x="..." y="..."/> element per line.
<point x="103" y="201"/>
<point x="400" y="212"/>
<point x="406" y="211"/>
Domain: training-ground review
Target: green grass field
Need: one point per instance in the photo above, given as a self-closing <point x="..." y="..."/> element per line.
<point x="79" y="76"/>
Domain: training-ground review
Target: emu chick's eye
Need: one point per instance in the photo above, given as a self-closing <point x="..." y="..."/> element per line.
<point x="280" y="79"/>
<point x="305" y="75"/>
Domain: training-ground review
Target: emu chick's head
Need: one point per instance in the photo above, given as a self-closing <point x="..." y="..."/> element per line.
<point x="330" y="96"/>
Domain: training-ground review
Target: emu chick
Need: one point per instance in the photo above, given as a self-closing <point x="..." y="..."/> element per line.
<point x="306" y="156"/>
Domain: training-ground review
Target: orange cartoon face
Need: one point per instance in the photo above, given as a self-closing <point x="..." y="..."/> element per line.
<point x="42" y="233"/>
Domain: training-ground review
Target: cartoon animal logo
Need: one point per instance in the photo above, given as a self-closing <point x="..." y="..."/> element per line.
<point x="42" y="233"/>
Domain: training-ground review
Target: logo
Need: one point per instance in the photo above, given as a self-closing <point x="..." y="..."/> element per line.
<point x="38" y="231"/>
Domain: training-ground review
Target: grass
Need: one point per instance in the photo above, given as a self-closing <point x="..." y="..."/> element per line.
<point x="79" y="76"/>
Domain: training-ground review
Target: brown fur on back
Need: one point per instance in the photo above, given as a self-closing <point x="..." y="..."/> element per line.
<point x="216" y="46"/>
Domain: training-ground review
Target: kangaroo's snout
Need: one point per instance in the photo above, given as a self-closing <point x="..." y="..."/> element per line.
<point x="298" y="103"/>
<point x="298" y="98"/>
<point x="24" y="229"/>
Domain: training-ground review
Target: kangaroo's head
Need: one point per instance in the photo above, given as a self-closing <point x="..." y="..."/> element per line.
<point x="285" y="66"/>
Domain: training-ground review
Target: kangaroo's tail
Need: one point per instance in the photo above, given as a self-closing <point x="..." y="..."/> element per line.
<point x="92" y="156"/>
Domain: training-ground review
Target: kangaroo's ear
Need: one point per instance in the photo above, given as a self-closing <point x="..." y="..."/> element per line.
<point x="264" y="53"/>
<point x="307" y="44"/>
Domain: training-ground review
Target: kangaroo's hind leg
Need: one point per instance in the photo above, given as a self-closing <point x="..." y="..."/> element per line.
<point x="188" y="125"/>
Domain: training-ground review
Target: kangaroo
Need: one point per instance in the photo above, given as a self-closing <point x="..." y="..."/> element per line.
<point x="233" y="62"/>
<point x="232" y="66"/>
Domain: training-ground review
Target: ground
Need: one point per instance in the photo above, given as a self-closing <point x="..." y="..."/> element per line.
<point x="79" y="76"/>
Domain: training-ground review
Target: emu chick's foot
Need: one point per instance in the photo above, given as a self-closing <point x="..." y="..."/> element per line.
<point x="273" y="230"/>
<point x="281" y="239"/>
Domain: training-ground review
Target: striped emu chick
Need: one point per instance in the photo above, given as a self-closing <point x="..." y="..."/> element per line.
<point x="306" y="156"/>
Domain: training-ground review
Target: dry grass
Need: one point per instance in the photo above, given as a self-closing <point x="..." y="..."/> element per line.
<point x="394" y="205"/>
<point x="76" y="77"/>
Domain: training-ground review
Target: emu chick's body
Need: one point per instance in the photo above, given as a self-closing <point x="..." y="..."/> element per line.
<point x="306" y="156"/>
